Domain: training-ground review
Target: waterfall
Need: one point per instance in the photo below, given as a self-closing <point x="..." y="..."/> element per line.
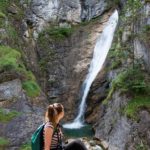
<point x="101" y="49"/>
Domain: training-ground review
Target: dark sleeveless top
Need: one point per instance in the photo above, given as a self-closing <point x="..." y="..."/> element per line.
<point x="56" y="138"/>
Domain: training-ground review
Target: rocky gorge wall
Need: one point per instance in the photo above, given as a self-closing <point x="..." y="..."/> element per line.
<point x="56" y="39"/>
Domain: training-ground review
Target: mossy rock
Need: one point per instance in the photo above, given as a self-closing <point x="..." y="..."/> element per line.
<point x="7" y="115"/>
<point x="9" y="58"/>
<point x="135" y="104"/>
<point x="3" y="142"/>
<point x="11" y="61"/>
<point x="32" y="88"/>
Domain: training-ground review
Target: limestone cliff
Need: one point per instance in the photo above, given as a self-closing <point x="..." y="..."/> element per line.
<point x="55" y="40"/>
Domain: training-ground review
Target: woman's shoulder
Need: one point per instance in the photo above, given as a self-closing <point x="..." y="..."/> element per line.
<point x="49" y="124"/>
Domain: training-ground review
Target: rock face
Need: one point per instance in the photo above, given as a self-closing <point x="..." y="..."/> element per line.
<point x="112" y="126"/>
<point x="67" y="73"/>
<point x="91" y="9"/>
<point x="19" y="129"/>
<point x="141" y="44"/>
<point x="42" y="12"/>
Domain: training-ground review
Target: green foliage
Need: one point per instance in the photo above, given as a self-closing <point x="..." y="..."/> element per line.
<point x="131" y="11"/>
<point x="56" y="33"/>
<point x="117" y="54"/>
<point x="32" y="88"/>
<point x="145" y="33"/>
<point x="26" y="146"/>
<point x="141" y="146"/>
<point x="2" y="15"/>
<point x="131" y="80"/>
<point x="6" y="116"/>
<point x="3" y="142"/>
<point x="135" y="104"/>
<point x="3" y="5"/>
<point x="9" y="58"/>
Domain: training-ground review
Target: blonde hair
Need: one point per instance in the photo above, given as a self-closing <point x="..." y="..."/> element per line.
<point x="53" y="112"/>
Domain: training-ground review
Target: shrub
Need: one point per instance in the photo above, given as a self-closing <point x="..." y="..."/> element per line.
<point x="56" y="33"/>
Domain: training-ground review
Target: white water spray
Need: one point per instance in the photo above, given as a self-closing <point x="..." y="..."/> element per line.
<point x="101" y="49"/>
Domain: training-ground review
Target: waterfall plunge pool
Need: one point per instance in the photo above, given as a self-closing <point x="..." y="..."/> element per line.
<point x="84" y="131"/>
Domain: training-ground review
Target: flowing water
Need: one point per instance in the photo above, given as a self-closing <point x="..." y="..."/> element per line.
<point x="101" y="49"/>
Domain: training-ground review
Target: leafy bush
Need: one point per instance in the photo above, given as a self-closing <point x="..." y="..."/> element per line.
<point x="56" y="33"/>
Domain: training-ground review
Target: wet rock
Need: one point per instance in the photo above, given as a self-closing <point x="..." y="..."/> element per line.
<point x="96" y="148"/>
<point x="90" y="144"/>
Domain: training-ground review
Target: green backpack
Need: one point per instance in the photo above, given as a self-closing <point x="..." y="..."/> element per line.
<point x="37" y="141"/>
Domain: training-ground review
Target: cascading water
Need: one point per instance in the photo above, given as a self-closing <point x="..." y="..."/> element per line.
<point x="101" y="49"/>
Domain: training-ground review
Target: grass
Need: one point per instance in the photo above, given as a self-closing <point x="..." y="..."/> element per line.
<point x="3" y="142"/>
<point x="26" y="147"/>
<point x="32" y="88"/>
<point x="135" y="104"/>
<point x="6" y="116"/>
<point x="11" y="60"/>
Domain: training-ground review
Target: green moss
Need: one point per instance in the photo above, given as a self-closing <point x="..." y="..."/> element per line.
<point x="31" y="88"/>
<point x="135" y="104"/>
<point x="26" y="147"/>
<point x="3" y="142"/>
<point x="6" y="116"/>
<point x="9" y="58"/>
